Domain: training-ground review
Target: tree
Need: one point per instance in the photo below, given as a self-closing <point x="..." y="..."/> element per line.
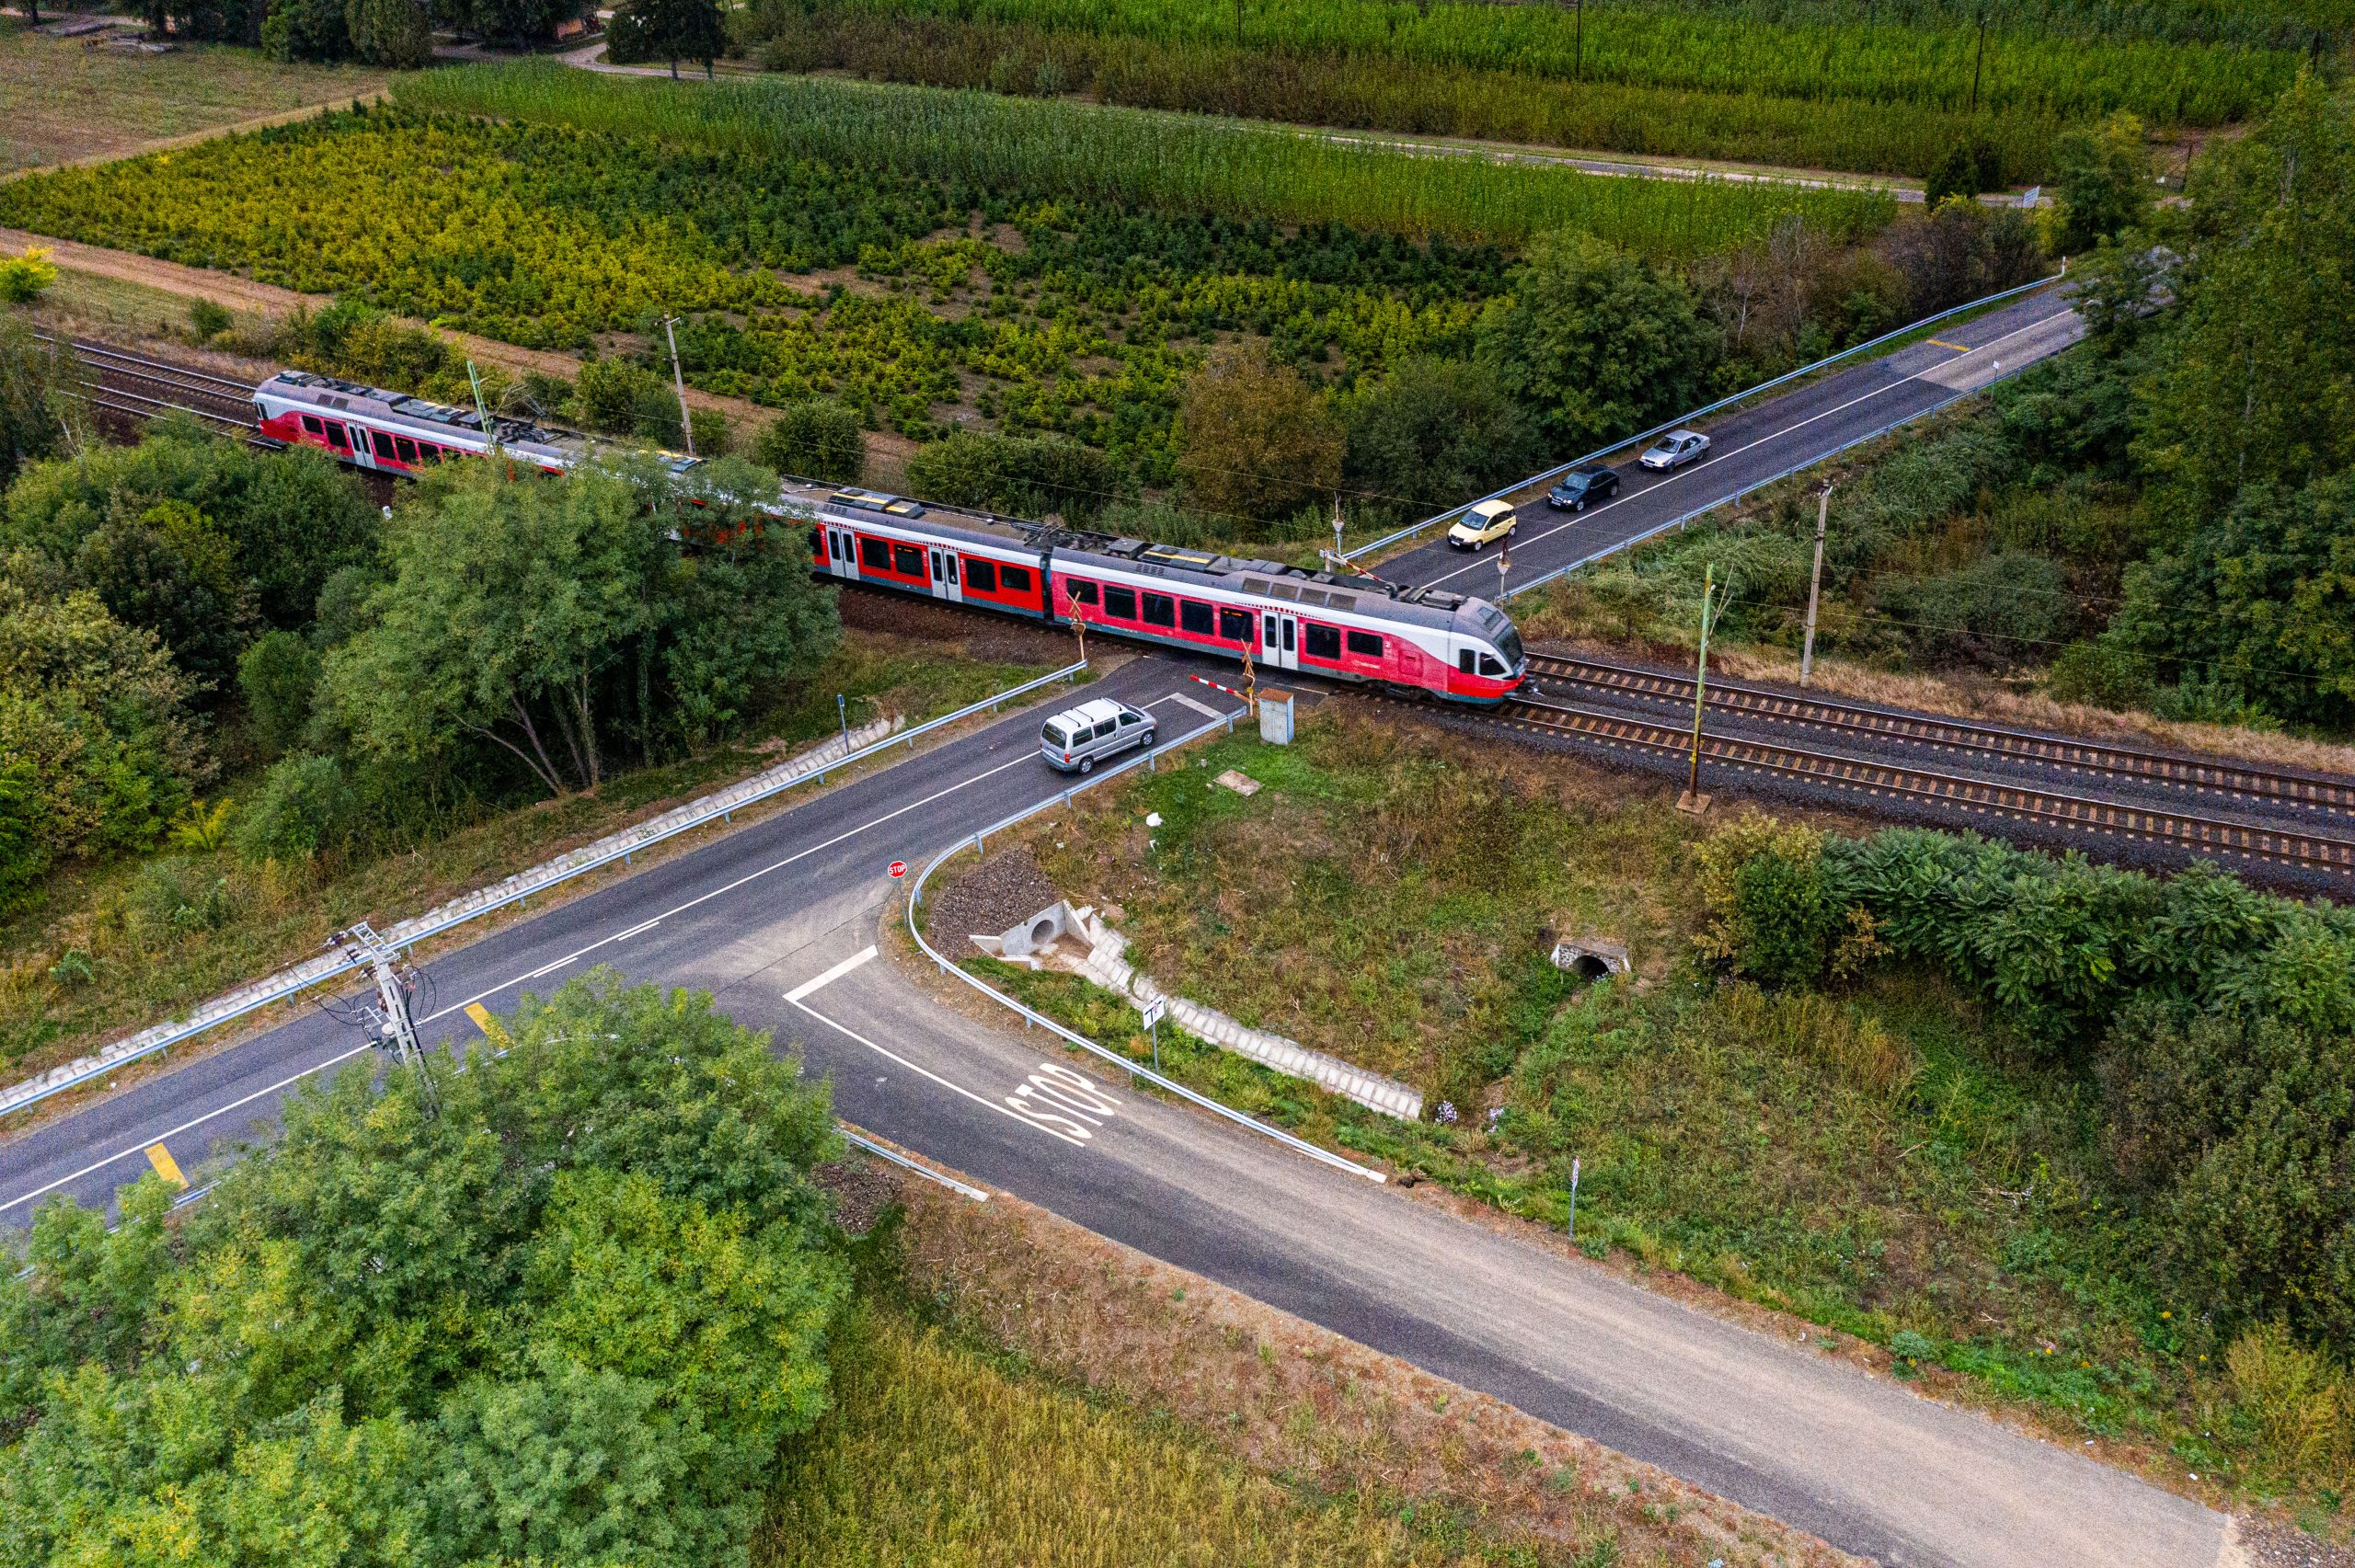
<point x="679" y="29"/>
<point x="1434" y="432"/>
<point x="1255" y="444"/>
<point x="278" y="675"/>
<point x="519" y="24"/>
<point x="2102" y="177"/>
<point x="306" y="30"/>
<point x="553" y="617"/>
<point x="1598" y="343"/>
<point x="168" y="568"/>
<point x="816" y="439"/>
<point x="1971" y="166"/>
<point x="306" y="806"/>
<point x="1021" y="476"/>
<point x="35" y="413"/>
<point x="94" y="732"/>
<point x="390" y="32"/>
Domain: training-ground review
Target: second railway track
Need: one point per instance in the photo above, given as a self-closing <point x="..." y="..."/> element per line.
<point x="1771" y="708"/>
<point x="137" y="387"/>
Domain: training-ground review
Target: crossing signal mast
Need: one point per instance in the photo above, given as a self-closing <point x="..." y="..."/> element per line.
<point x="390" y="1022"/>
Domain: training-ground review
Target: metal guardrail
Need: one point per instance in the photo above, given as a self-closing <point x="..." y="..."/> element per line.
<point x="896" y="1158"/>
<point x="1148" y="761"/>
<point x="1723" y="402"/>
<point x="289" y="983"/>
<point x="1675" y="523"/>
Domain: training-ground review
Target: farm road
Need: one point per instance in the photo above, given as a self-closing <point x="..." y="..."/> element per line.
<point x="782" y="921"/>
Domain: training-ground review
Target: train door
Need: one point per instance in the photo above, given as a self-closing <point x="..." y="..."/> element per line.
<point x="944" y="575"/>
<point x="360" y="453"/>
<point x="1280" y="639"/>
<point x="842" y="554"/>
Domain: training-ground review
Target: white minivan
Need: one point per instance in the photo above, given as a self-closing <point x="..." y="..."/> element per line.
<point x="1077" y="738"/>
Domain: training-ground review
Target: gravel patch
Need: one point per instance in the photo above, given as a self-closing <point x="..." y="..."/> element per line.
<point x="1005" y="889"/>
<point x="2270" y="1543"/>
<point x="862" y="1188"/>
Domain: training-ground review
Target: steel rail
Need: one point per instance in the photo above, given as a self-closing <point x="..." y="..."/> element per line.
<point x="1981" y="796"/>
<point x="2202" y="774"/>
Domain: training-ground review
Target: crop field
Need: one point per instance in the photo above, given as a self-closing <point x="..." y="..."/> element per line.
<point x="1829" y="84"/>
<point x="923" y="257"/>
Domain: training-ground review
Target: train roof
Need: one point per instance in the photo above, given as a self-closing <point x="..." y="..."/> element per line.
<point x="1081" y="548"/>
<point x="334" y="392"/>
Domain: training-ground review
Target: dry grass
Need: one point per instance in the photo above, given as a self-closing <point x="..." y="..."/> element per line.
<point x="61" y="102"/>
<point x="1239" y="1391"/>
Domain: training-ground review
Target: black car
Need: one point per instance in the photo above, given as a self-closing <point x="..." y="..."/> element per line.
<point x="1582" y="486"/>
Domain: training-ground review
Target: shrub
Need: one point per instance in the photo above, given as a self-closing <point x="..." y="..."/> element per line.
<point x="208" y="320"/>
<point x="1772" y="914"/>
<point x="2099" y="672"/>
<point x="815" y="439"/>
<point x="175" y="897"/>
<point x="278" y="676"/>
<point x="22" y="278"/>
<point x="305" y="806"/>
<point x="610" y="394"/>
<point x="715" y="437"/>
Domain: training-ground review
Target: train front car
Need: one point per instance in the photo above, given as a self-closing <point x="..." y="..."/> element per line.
<point x="1490" y="663"/>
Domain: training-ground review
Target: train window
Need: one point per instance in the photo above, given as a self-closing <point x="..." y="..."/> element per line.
<point x="1160" y="610"/>
<point x="952" y="571"/>
<point x="1120" y="603"/>
<point x="1490" y="665"/>
<point x="1234" y="625"/>
<point x="1464" y="661"/>
<point x="936" y="566"/>
<point x="314" y="424"/>
<point x="1365" y="645"/>
<point x="385" y="447"/>
<point x="907" y="559"/>
<point x="874" y="555"/>
<point x="406" y="448"/>
<point x="1016" y="580"/>
<point x="1288" y="626"/>
<point x="1322" y="642"/>
<point x="1195" y="617"/>
<point x="1081" y="593"/>
<point x="982" y="576"/>
<point x="335" y="437"/>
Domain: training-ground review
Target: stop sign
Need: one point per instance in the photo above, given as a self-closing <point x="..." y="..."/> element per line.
<point x="899" y="868"/>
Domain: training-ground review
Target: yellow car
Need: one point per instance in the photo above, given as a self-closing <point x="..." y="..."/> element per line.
<point x="1483" y="525"/>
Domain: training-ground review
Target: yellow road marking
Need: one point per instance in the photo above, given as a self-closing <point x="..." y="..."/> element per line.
<point x="166" y="1166"/>
<point x="489" y="1027"/>
<point x="1942" y="343"/>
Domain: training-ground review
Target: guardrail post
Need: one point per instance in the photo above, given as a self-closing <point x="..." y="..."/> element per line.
<point x="977" y="846"/>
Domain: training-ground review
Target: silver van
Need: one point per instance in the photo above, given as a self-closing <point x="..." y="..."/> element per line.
<point x="1077" y="738"/>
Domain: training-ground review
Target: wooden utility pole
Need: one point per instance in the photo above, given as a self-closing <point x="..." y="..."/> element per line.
<point x="1814" y="585"/>
<point x="1578" y="41"/>
<point x="1979" y="65"/>
<point x="1692" y="800"/>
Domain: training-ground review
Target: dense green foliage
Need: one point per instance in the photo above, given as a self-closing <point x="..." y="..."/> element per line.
<point x="2213" y="1018"/>
<point x="1062" y="152"/>
<point x="814" y="439"/>
<point x="34" y="409"/>
<point x="1811" y="85"/>
<point x="568" y="1317"/>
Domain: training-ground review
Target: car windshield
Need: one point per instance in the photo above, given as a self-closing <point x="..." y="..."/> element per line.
<point x="1053" y="734"/>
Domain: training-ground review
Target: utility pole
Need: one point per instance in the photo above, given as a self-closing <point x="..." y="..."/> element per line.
<point x="686" y="426"/>
<point x="1578" y="41"/>
<point x="1815" y="584"/>
<point x="482" y="414"/>
<point x="1979" y="65"/>
<point x="389" y="1024"/>
<point x="1692" y="800"/>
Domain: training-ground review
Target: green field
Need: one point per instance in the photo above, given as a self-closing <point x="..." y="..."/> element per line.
<point x="1830" y="85"/>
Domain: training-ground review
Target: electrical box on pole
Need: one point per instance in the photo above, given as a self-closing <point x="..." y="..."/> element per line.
<point x="391" y="1021"/>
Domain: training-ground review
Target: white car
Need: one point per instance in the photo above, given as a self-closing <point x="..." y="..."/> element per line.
<point x="1675" y="450"/>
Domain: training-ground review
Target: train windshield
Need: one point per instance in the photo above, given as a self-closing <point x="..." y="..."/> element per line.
<point x="1509" y="644"/>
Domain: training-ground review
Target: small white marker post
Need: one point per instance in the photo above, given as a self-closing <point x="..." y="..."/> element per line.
<point x="1152" y="1012"/>
<point x="1574" y="1198"/>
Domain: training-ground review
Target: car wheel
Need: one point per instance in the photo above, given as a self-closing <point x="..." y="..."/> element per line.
<point x="1478" y="545"/>
<point x="1147" y="742"/>
<point x="1087" y="764"/>
<point x="1513" y="532"/>
<point x="1578" y="505"/>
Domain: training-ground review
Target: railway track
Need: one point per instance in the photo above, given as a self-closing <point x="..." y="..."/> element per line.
<point x="2188" y="832"/>
<point x="2196" y="775"/>
<point x="141" y="388"/>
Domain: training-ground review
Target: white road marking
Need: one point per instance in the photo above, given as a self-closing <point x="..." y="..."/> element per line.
<point x="889" y="1055"/>
<point x="1056" y="1094"/>
<point x="1203" y="708"/>
<point x="1578" y="519"/>
<point x="830" y="976"/>
<point x="576" y="954"/>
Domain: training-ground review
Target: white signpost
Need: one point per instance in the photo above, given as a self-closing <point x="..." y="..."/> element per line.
<point x="1154" y="1012"/>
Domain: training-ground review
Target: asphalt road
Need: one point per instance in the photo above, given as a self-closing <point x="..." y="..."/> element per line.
<point x="780" y="920"/>
<point x="1753" y="444"/>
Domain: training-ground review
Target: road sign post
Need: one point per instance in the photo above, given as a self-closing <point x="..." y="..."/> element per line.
<point x="1154" y="1010"/>
<point x="1574" y="1198"/>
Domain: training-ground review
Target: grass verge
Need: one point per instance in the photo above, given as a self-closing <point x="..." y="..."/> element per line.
<point x="1876" y="1161"/>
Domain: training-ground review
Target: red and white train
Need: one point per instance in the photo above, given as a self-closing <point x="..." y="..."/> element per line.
<point x="1342" y="627"/>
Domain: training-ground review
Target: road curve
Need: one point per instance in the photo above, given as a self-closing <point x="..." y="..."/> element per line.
<point x="780" y="920"/>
